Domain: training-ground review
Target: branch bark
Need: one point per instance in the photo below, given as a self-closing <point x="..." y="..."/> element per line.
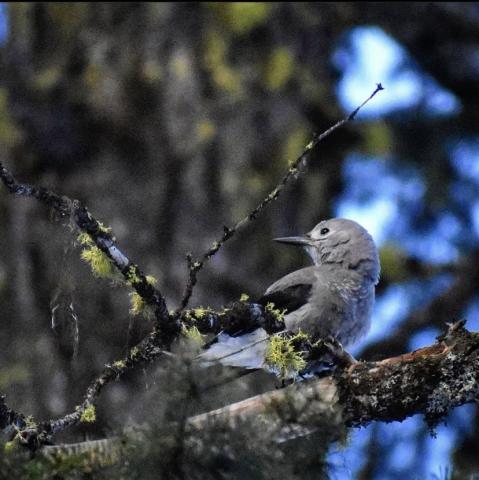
<point x="429" y="381"/>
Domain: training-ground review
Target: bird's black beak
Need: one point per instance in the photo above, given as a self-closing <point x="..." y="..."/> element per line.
<point x="301" y="241"/>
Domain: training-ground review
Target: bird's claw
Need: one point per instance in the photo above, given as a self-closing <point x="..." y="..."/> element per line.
<point x="338" y="352"/>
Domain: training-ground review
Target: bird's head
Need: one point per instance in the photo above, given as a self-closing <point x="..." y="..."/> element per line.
<point x="340" y="241"/>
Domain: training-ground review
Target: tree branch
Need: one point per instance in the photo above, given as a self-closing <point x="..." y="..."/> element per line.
<point x="429" y="381"/>
<point x="103" y="240"/>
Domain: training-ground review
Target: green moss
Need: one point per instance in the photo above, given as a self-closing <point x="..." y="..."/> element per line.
<point x="244" y="297"/>
<point x="282" y="356"/>
<point x="100" y="264"/>
<point x="279" y="69"/>
<point x="88" y="415"/>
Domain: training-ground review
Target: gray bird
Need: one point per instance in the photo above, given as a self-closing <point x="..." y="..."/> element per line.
<point x="334" y="297"/>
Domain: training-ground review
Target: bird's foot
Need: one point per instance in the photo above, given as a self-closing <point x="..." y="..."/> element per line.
<point x="335" y="348"/>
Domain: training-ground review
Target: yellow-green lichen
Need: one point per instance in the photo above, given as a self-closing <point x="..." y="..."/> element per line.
<point x="244" y="297"/>
<point x="276" y="312"/>
<point x="132" y="276"/>
<point x="88" y="415"/>
<point x="103" y="229"/>
<point x="119" y="364"/>
<point x="30" y="423"/>
<point x="151" y="279"/>
<point x="192" y="333"/>
<point x="137" y="304"/>
<point x="200" y="312"/>
<point x="282" y="356"/>
<point x="134" y="352"/>
<point x="85" y="239"/>
<point x="100" y="264"/>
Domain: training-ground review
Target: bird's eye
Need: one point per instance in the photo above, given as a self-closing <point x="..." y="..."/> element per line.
<point x="324" y="231"/>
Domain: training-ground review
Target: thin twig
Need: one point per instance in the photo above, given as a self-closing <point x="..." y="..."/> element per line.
<point x="293" y="173"/>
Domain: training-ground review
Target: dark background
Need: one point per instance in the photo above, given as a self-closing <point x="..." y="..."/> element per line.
<point x="171" y="120"/>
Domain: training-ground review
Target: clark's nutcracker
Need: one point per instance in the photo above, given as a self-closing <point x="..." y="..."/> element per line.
<point x="334" y="297"/>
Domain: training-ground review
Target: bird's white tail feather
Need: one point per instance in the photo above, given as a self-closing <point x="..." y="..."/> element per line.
<point x="247" y="351"/>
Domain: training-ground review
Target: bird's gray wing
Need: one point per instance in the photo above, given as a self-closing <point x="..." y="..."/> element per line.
<point x="292" y="291"/>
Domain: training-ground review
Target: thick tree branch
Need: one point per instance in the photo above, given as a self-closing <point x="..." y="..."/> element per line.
<point x="429" y="381"/>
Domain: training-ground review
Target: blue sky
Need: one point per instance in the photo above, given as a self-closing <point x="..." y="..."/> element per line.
<point x="375" y="57"/>
<point x="3" y="22"/>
